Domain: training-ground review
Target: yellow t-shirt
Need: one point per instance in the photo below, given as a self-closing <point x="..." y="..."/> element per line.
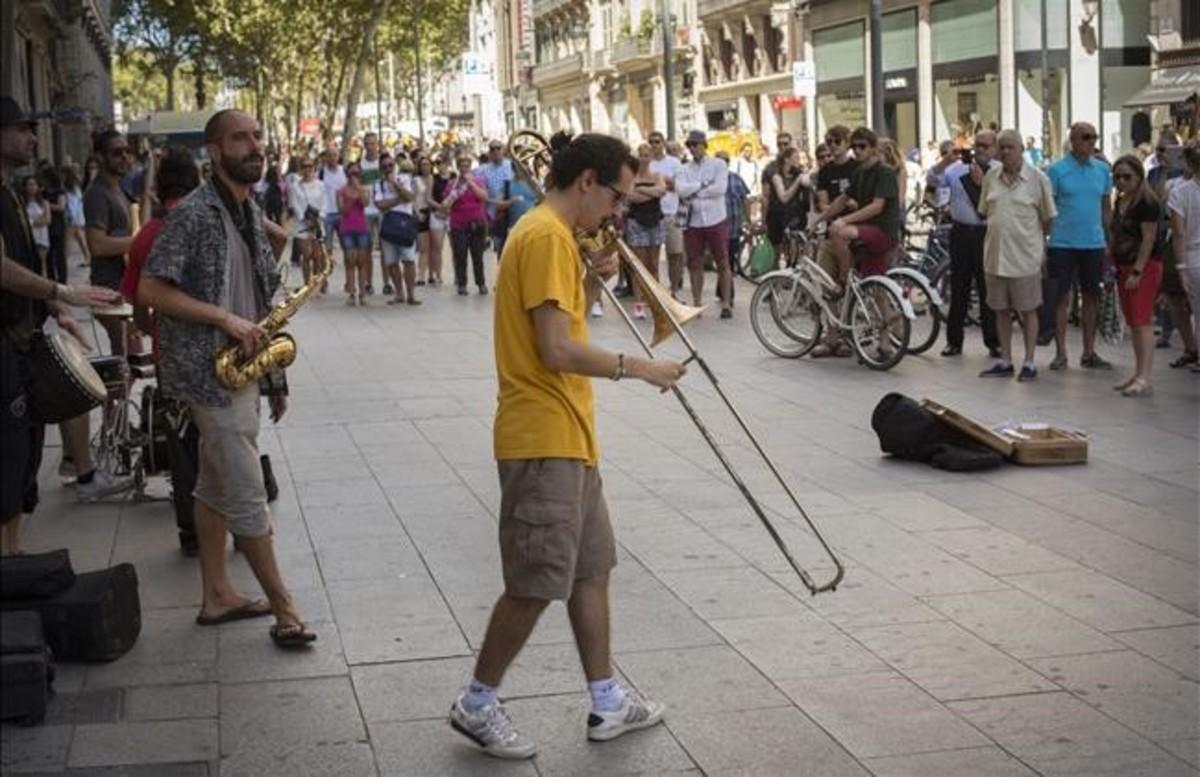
<point x="541" y="414"/>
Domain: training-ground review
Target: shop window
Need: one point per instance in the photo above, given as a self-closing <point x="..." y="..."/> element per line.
<point x="964" y="29"/>
<point x="900" y="40"/>
<point x="839" y="52"/>
<point x="1124" y="24"/>
<point x="1028" y="22"/>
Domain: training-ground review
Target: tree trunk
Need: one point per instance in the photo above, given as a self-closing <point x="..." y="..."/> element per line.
<point x="331" y="111"/>
<point x="377" y="14"/>
<point x="169" y="74"/>
<point x="201" y="71"/>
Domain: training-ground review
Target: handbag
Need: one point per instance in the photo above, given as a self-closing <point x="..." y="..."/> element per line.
<point x="762" y="257"/>
<point x="399" y="228"/>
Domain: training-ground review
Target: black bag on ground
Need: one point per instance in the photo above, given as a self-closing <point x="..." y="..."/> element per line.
<point x="26" y="668"/>
<point x="97" y="619"/>
<point x="908" y="431"/>
<point x="35" y="575"/>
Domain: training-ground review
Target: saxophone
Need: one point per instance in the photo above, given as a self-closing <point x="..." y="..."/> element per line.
<point x="235" y="370"/>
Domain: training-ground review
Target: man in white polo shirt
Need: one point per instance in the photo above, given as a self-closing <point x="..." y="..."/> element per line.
<point x="1018" y="202"/>
<point x="668" y="167"/>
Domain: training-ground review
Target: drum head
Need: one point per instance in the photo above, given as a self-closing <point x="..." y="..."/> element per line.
<point x="70" y="354"/>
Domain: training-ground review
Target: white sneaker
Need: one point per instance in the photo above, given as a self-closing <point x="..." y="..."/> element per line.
<point x="66" y="471"/>
<point x="636" y="713"/>
<point x="491" y="729"/>
<point x="597" y="310"/>
<point x="102" y="485"/>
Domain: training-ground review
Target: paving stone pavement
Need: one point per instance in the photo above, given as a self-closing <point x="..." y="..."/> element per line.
<point x="1021" y="621"/>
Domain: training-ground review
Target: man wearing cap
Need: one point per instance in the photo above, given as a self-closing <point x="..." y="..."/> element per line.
<point x="26" y="299"/>
<point x="497" y="174"/>
<point x="701" y="186"/>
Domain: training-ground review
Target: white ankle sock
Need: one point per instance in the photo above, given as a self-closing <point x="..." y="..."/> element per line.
<point x="478" y="695"/>
<point x="607" y="695"/>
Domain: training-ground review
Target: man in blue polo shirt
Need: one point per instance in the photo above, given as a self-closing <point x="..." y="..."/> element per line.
<point x="1082" y="186"/>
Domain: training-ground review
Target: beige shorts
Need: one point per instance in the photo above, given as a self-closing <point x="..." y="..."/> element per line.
<point x="1020" y="294"/>
<point x="229" y="477"/>
<point x="674" y="236"/>
<point x="554" y="527"/>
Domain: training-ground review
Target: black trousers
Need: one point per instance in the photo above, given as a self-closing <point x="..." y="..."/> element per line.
<point x="468" y="240"/>
<point x="966" y="269"/>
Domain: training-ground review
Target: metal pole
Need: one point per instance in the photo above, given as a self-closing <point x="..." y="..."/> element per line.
<point x="420" y="97"/>
<point x="1045" y="88"/>
<point x="668" y="30"/>
<point x="877" y="120"/>
<point x="378" y="88"/>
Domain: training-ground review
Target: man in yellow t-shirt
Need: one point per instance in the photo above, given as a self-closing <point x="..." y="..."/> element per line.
<point x="556" y="542"/>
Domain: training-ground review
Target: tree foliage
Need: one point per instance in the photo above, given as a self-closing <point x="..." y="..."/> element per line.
<point x="288" y="58"/>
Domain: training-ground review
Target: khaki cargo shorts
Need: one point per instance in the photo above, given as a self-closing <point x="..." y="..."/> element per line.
<point x="229" y="477"/>
<point x="554" y="527"/>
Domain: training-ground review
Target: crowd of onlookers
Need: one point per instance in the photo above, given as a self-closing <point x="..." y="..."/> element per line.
<point x="1124" y="228"/>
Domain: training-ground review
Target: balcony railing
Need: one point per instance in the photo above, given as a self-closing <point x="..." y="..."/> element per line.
<point x="625" y="49"/>
<point x="543" y="7"/>
<point x="561" y="68"/>
<point x="707" y="8"/>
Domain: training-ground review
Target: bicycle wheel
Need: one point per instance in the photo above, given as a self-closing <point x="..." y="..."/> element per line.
<point x="784" y="316"/>
<point x="879" y="330"/>
<point x="924" y="330"/>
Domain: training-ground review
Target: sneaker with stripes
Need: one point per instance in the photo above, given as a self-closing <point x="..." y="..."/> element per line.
<point x="636" y="713"/>
<point x="491" y="728"/>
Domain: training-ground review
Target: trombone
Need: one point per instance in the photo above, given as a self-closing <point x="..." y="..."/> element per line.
<point x="532" y="158"/>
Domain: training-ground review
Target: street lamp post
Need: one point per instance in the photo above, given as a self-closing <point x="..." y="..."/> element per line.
<point x="417" y="55"/>
<point x="1045" y="87"/>
<point x="877" y="120"/>
<point x="668" y="65"/>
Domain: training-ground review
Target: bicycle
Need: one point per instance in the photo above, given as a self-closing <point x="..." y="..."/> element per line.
<point x="801" y="301"/>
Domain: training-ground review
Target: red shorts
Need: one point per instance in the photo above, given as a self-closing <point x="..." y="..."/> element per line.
<point x="871" y="258"/>
<point x="1138" y="304"/>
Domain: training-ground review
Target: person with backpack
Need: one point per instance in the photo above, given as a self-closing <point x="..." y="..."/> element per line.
<point x="645" y="228"/>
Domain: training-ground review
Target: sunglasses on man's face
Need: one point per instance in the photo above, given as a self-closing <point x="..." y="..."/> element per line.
<point x="1087" y="138"/>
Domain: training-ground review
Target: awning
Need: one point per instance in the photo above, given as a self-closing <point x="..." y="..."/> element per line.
<point x="1169" y="85"/>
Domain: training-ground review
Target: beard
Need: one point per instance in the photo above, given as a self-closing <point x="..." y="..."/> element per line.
<point x="246" y="170"/>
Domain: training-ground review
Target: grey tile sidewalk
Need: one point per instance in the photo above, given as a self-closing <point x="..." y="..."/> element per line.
<point x="1015" y="622"/>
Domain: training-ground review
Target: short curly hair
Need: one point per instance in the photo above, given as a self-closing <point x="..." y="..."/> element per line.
<point x="589" y="151"/>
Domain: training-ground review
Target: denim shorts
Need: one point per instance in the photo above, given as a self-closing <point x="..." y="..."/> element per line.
<point x="392" y="253"/>
<point x="352" y="241"/>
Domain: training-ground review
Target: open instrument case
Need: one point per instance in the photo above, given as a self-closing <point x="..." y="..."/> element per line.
<point x="1022" y="444"/>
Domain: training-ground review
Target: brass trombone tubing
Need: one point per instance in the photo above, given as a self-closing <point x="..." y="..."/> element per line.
<point x="695" y="357"/>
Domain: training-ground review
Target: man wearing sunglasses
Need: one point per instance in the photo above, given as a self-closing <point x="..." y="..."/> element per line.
<point x="703" y="184"/>
<point x="867" y="215"/>
<point x="1082" y="187"/>
<point x="106" y="213"/>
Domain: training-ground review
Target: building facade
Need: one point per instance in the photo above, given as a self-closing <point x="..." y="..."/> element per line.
<point x="56" y="58"/>
<point x="951" y="67"/>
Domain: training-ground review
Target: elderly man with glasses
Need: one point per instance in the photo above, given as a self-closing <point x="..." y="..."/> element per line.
<point x="1082" y="187"/>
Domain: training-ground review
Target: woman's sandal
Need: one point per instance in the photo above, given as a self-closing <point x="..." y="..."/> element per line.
<point x="1188" y="357"/>
<point x="1139" y="388"/>
<point x="292" y="635"/>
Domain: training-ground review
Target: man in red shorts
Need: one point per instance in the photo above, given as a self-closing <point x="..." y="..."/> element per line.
<point x="865" y="219"/>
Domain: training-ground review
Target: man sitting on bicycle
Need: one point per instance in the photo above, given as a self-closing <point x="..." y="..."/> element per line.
<point x="865" y="220"/>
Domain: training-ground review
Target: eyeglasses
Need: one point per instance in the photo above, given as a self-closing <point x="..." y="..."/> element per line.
<point x="1087" y="138"/>
<point x="655" y="141"/>
<point x="860" y="146"/>
<point x="832" y="141"/>
<point x="618" y="195"/>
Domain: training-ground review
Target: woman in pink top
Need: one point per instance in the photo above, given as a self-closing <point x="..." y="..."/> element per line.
<point x="355" y="234"/>
<point x="466" y="202"/>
